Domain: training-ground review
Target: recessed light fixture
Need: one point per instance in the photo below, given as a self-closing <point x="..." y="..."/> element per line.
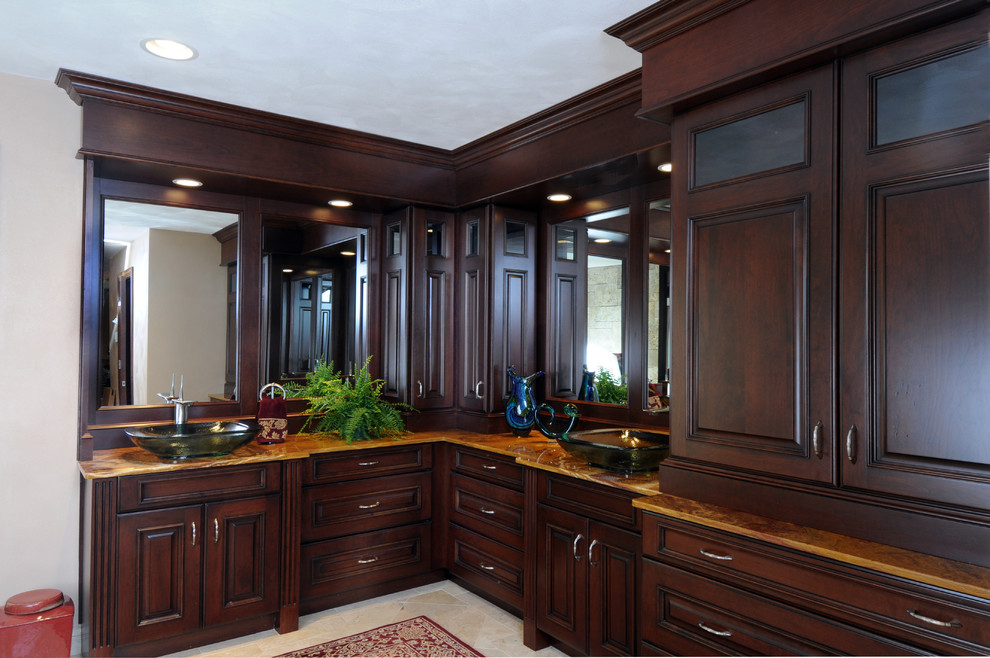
<point x="602" y="240"/>
<point x="168" y="49"/>
<point x="666" y="251"/>
<point x="559" y="198"/>
<point x="341" y="203"/>
<point x="187" y="182"/>
<point x="287" y="270"/>
<point x="348" y="253"/>
<point x="666" y="167"/>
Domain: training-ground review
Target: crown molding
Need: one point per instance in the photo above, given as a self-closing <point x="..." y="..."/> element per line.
<point x="666" y="19"/>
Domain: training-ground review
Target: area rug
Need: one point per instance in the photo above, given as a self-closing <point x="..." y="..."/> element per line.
<point x="412" y="638"/>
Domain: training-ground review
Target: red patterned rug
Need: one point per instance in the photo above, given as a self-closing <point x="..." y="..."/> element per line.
<point x="412" y="638"/>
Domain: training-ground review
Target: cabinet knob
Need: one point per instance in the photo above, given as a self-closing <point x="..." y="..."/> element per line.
<point x="955" y="623"/>
<point x="574" y="547"/>
<point x="816" y="439"/>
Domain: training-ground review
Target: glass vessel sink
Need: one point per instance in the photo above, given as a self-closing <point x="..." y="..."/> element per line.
<point x="618" y="449"/>
<point x="205" y="439"/>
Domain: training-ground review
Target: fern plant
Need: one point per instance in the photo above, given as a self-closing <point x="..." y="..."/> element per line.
<point x="609" y="389"/>
<point x="350" y="406"/>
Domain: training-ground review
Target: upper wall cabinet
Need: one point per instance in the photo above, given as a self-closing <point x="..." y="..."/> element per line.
<point x="843" y="358"/>
<point x="496" y="298"/>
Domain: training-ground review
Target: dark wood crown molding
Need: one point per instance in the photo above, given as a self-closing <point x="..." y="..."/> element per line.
<point x="667" y="19"/>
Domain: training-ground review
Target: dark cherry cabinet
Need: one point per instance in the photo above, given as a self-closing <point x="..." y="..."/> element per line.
<point x="587" y="568"/>
<point x="496" y="301"/>
<point x="833" y="268"/>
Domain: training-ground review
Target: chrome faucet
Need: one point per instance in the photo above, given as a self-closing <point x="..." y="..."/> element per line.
<point x="181" y="406"/>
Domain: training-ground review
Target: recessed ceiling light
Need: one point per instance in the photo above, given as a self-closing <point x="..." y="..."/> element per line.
<point x="348" y="253"/>
<point x="666" y="251"/>
<point x="168" y="49"/>
<point x="187" y="182"/>
<point x="341" y="203"/>
<point x="666" y="167"/>
<point x="559" y="198"/>
<point x="288" y="270"/>
<point x="602" y="240"/>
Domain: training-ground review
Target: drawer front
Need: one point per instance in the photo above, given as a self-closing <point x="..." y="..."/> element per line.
<point x="489" y="466"/>
<point x="490" y="510"/>
<point x="355" y="464"/>
<point x="683" y="612"/>
<point x="139" y="492"/>
<point x="857" y="597"/>
<point x="345" y="508"/>
<point x="337" y="565"/>
<point x="596" y="501"/>
<point x="494" y="568"/>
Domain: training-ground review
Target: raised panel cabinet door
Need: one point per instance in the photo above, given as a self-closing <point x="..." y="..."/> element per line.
<point x="473" y="281"/>
<point x="562" y="576"/>
<point x="752" y="223"/>
<point x="432" y="340"/>
<point x="159" y="560"/>
<point x="613" y="568"/>
<point x="241" y="559"/>
<point x="915" y="268"/>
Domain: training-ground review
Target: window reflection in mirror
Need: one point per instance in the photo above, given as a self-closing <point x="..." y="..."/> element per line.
<point x="315" y="297"/>
<point x="168" y="303"/>
<point x="590" y="257"/>
<point x="658" y="313"/>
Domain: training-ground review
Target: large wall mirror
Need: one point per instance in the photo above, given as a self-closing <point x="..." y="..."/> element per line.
<point x="658" y="320"/>
<point x="168" y="303"/>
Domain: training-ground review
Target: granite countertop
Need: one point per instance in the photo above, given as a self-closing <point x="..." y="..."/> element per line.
<point x="940" y="572"/>
<point x="534" y="450"/>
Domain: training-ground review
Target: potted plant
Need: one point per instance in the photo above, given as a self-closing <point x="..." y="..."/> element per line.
<point x="351" y="406"/>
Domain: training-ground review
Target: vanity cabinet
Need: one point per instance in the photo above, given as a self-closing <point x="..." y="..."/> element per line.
<point x="834" y="279"/>
<point x="496" y="294"/>
<point x="587" y="566"/>
<point x="708" y="592"/>
<point x="366" y="523"/>
<point x="487" y="521"/>
<point x="175" y="556"/>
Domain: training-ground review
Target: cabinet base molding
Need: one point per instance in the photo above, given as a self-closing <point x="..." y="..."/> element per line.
<point x="193" y="639"/>
<point x="317" y="604"/>
<point x="920" y="528"/>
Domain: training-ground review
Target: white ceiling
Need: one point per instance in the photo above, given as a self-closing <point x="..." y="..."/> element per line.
<point x="436" y="72"/>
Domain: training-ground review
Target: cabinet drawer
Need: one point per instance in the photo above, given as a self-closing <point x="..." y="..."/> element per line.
<point x="596" y="501"/>
<point x="857" y="596"/>
<point x="489" y="466"/>
<point x="139" y="492"/>
<point x="687" y="614"/>
<point x="345" y="508"/>
<point x="490" y="510"/>
<point x="336" y="565"/>
<point x="495" y="568"/>
<point x="354" y="464"/>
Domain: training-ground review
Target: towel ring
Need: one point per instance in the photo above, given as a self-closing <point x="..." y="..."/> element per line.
<point x="272" y="386"/>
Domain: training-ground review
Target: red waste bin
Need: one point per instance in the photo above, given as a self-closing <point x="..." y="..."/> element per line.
<point x="36" y="623"/>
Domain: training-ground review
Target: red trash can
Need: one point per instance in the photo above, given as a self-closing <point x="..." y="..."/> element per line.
<point x="36" y="623"/>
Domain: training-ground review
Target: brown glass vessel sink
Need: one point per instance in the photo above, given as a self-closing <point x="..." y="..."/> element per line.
<point x="618" y="449"/>
<point x="204" y="439"/>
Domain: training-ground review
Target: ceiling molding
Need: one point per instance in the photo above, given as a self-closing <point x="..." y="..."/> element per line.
<point x="666" y="19"/>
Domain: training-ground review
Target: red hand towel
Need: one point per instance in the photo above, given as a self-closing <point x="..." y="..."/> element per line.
<point x="272" y="418"/>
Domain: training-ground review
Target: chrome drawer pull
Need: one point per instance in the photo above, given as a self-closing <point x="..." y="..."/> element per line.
<point x="574" y="550"/>
<point x="371" y="506"/>
<point x="816" y="439"/>
<point x="367" y="463"/>
<point x="851" y="444"/>
<point x="488" y="468"/>
<point x="708" y="629"/>
<point x="715" y="556"/>
<point x="486" y="511"/>
<point x="193" y="533"/>
<point x="216" y="530"/>
<point x="486" y="567"/>
<point x="591" y="550"/>
<point x="368" y="560"/>
<point x="955" y="623"/>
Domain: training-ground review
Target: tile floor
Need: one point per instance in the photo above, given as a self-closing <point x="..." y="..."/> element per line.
<point x="487" y="628"/>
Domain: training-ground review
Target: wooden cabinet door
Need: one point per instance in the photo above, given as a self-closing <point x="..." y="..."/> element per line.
<point x="432" y="322"/>
<point x="915" y="269"/>
<point x="241" y="545"/>
<point x="473" y="312"/>
<point x="562" y="576"/>
<point x="752" y="280"/>
<point x="159" y="560"/>
<point x="613" y="565"/>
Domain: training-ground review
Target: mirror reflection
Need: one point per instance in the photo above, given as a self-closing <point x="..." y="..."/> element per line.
<point x="168" y="303"/>
<point x="315" y="297"/>
<point x="658" y="313"/>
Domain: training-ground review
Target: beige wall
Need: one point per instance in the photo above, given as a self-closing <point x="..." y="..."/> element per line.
<point x="41" y="187"/>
